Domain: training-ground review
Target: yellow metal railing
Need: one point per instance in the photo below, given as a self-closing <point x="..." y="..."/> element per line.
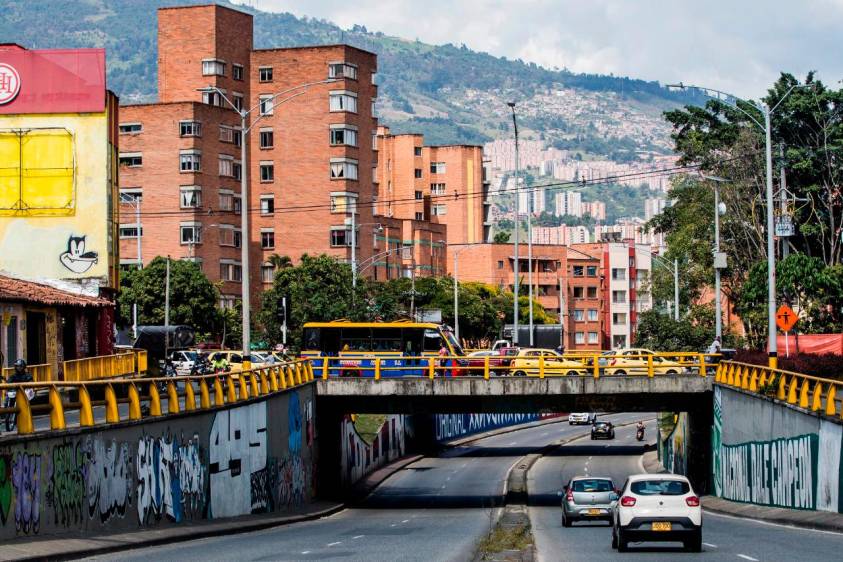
<point x="812" y="393"/>
<point x="102" y="367"/>
<point x="199" y="392"/>
<point x="585" y="364"/>
<point x="40" y="373"/>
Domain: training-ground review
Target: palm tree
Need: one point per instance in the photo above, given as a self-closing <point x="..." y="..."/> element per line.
<point x="280" y="262"/>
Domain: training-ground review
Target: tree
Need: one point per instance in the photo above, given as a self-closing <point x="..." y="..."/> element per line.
<point x="501" y="238"/>
<point x="193" y="298"/>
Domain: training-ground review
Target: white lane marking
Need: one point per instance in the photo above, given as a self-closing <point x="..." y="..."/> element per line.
<point x="443" y="486"/>
<point x="545" y="433"/>
<point x="358" y="537"/>
<point x="394" y="525"/>
<point x="305" y="552"/>
<point x="447" y="479"/>
<point x="334" y="543"/>
<point x="708" y="544"/>
<point x="745" y="557"/>
<point x="589" y="458"/>
<point x="406" y="521"/>
<point x="514" y="443"/>
<point x="771" y="524"/>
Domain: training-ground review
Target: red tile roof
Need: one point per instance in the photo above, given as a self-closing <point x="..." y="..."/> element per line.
<point x="27" y="291"/>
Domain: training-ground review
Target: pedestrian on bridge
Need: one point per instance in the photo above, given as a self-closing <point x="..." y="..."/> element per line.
<point x="715" y="345"/>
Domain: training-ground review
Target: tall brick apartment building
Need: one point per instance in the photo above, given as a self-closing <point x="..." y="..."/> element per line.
<point x="310" y="157"/>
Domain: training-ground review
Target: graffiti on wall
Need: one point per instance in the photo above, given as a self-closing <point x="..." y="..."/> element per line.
<point x="26" y="481"/>
<point x="673" y="450"/>
<point x="66" y="483"/>
<point x="108" y="479"/>
<point x="170" y="479"/>
<point x="452" y="426"/>
<point x="359" y="458"/>
<point x="237" y="452"/>
<point x="5" y="487"/>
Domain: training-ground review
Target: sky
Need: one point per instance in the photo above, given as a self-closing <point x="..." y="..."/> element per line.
<point x="739" y="46"/>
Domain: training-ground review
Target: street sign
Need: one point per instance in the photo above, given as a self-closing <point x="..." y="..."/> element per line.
<point x="784" y="226"/>
<point x="785" y="318"/>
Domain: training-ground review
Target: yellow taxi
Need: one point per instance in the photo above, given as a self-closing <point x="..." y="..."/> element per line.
<point x="235" y="359"/>
<point x="634" y="361"/>
<point x="528" y="363"/>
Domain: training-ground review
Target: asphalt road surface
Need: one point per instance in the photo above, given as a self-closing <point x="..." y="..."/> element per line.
<point x="435" y="509"/>
<point x="724" y="537"/>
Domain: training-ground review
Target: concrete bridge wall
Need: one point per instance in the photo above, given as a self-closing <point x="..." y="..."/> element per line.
<point x="769" y="453"/>
<point x="252" y="457"/>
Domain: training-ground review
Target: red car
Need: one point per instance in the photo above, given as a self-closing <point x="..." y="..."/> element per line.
<point x="499" y="361"/>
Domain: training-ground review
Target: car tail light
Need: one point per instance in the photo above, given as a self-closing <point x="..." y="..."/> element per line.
<point x="692" y="501"/>
<point x="569" y="496"/>
<point x="613" y="362"/>
<point x="627" y="501"/>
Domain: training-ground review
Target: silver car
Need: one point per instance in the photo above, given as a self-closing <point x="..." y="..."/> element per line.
<point x="587" y="498"/>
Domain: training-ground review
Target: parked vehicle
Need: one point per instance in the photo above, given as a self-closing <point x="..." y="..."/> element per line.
<point x="581" y="418"/>
<point x="528" y="363"/>
<point x="634" y="362"/>
<point x="660" y="508"/>
<point x="587" y="498"/>
<point x="602" y="430"/>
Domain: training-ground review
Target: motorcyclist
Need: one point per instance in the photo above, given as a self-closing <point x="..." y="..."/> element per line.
<point x="640" y="425"/>
<point x="220" y="363"/>
<point x="20" y="373"/>
<point x="639" y="433"/>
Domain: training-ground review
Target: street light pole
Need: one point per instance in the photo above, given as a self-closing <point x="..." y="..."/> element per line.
<point x="517" y="265"/>
<point x="354" y="247"/>
<point x="718" y="307"/>
<point x="676" y="289"/>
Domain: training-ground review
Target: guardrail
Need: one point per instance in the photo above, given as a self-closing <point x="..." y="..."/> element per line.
<point x="587" y="364"/>
<point x="200" y="392"/>
<point x="812" y="393"/>
<point x="101" y="367"/>
<point x="40" y="373"/>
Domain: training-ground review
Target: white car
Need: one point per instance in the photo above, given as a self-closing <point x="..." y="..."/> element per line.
<point x="660" y="508"/>
<point x="581" y="418"/>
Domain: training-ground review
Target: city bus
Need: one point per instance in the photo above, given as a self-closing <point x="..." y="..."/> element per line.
<point x="404" y="348"/>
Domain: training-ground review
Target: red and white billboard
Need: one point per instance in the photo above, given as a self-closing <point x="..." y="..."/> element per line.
<point x="51" y="81"/>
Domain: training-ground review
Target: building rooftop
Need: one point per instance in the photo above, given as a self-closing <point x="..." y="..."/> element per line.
<point x="17" y="290"/>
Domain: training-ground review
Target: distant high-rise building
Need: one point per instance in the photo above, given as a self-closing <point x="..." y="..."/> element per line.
<point x="569" y="203"/>
<point x="653" y="207"/>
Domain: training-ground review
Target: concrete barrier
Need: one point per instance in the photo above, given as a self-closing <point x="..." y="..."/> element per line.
<point x="770" y="453"/>
<point x="254" y="456"/>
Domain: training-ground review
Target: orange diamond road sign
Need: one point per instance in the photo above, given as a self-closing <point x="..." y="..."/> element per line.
<point x="785" y="318"/>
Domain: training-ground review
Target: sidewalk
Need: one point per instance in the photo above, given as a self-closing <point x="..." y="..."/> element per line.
<point x="822" y="520"/>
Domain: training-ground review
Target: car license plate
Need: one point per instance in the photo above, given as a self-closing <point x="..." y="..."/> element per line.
<point x="662" y="526"/>
<point x="594" y="511"/>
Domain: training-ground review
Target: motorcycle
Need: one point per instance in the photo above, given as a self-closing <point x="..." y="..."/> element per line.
<point x="11" y="402"/>
<point x="639" y="435"/>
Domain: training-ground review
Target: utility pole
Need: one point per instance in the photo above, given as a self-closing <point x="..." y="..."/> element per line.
<point x="785" y="201"/>
<point x="167" y="311"/>
<point x="771" y="248"/>
<point x="530" y="206"/>
<point x="718" y="307"/>
<point x="138" y="231"/>
<point x="354" y="246"/>
<point x="676" y="289"/>
<point x="284" y="324"/>
<point x="244" y="244"/>
<point x="517" y="265"/>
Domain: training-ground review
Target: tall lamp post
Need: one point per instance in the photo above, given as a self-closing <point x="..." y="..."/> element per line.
<point x="244" y="191"/>
<point x="719" y="258"/>
<point x="767" y="112"/>
<point x="517" y="265"/>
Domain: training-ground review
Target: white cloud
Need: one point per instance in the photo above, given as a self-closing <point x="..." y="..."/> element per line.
<point x="735" y="45"/>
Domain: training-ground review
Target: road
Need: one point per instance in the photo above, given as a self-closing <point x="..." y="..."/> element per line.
<point x="435" y="509"/>
<point x="724" y="537"/>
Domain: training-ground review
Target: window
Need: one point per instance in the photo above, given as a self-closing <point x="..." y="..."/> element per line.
<point x="231" y="270"/>
<point x="618" y="342"/>
<point x="439" y="210"/>
<point x="340" y="236"/>
<point x="592" y="337"/>
<point x="619" y="318"/>
<point x="342" y="100"/>
<point x="226" y="165"/>
<point x="578" y="271"/>
<point x="130" y="230"/>
<point x="238" y="138"/>
<point x="374" y="141"/>
<point x="190" y="129"/>
<point x="419" y="216"/>
<point x="267" y="104"/>
<point x="131" y="195"/>
<point x="619" y="297"/>
<point x="579" y="337"/>
<point x="267" y="238"/>
<point x="267" y="170"/>
<point x="437" y="167"/>
<point x="191" y="233"/>
<point x="500" y="264"/>
<point x="592" y="315"/>
<point x="618" y="274"/>
<point x="237" y="169"/>
<point x="226" y="235"/>
<point x="267" y="273"/>
<point x="237" y="101"/>
<point x="226" y="134"/>
<point x="190" y="196"/>
<point x="437" y="189"/>
<point x="267" y="138"/>
<point x="213" y="98"/>
<point x="579" y="315"/>
<point x="417" y="151"/>
<point x="265" y="74"/>
<point x="343" y="202"/>
<point x="343" y="135"/>
<point x="238" y="204"/>
<point x="578" y="292"/>
<point x="591" y="292"/>
<point x="419" y="195"/>
<point x="190" y="161"/>
<point x="237" y="71"/>
<point x="267" y="204"/>
<point x="591" y="271"/>
<point x="130" y="128"/>
<point x="226" y="200"/>
<point x="131" y="159"/>
<point x="342" y="70"/>
<point x="343" y="169"/>
<point x="417" y="173"/>
<point x="213" y="67"/>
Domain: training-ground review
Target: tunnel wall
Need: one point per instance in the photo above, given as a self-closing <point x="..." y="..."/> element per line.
<point x="257" y="456"/>
<point x="769" y="453"/>
<point x="359" y="458"/>
<point x="453" y="426"/>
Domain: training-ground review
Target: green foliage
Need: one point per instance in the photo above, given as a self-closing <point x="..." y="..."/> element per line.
<point x="193" y="298"/>
<point x="695" y="332"/>
<point x="501" y="237"/>
<point x="548" y="219"/>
